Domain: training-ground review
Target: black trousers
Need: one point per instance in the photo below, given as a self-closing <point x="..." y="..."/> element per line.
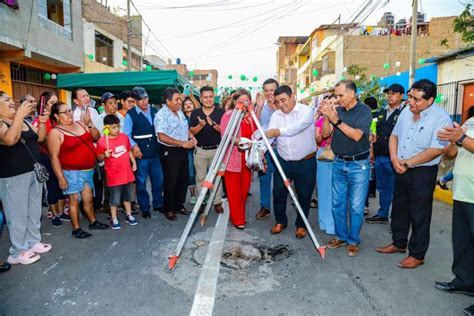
<point x="174" y="161"/>
<point x="463" y="245"/>
<point x="412" y="206"/>
<point x="301" y="173"/>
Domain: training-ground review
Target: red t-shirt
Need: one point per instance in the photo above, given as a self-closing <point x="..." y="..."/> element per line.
<point x="118" y="168"/>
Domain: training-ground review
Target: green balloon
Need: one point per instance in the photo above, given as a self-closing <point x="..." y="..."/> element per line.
<point x="421" y="61"/>
<point x="302" y="91"/>
<point x="312" y="89"/>
<point x="47" y="76"/>
<point x="216" y="90"/>
<point x="91" y="57"/>
<point x="191" y="73"/>
<point x="242" y="77"/>
<point x="315" y="72"/>
<point x="342" y="78"/>
<point x="255" y="79"/>
<point x="439" y="98"/>
<point x="124" y="62"/>
<point x="230" y="77"/>
<point x="148" y="68"/>
<point x="386" y="65"/>
<point x="100" y="109"/>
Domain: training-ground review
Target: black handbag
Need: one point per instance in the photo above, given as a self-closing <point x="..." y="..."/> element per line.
<point x="42" y="174"/>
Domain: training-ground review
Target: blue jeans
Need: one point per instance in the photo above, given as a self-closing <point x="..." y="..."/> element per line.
<point x="324" y="184"/>
<point x="300" y="173"/>
<point x="385" y="183"/>
<point x="192" y="176"/>
<point x="266" y="183"/>
<point x="447" y="177"/>
<point x="350" y="182"/>
<point x="149" y="167"/>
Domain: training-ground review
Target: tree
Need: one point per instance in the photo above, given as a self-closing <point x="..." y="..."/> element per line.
<point x="464" y="24"/>
<point x="367" y="86"/>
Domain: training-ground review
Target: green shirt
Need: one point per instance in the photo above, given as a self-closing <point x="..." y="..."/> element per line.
<point x="463" y="185"/>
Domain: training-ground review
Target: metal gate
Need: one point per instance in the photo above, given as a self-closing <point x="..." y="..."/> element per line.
<point x="449" y="100"/>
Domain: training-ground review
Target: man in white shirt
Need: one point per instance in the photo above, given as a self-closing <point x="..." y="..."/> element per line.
<point x="82" y="100"/>
<point x="293" y="126"/>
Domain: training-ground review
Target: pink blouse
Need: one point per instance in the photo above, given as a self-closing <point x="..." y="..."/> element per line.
<point x="319" y="124"/>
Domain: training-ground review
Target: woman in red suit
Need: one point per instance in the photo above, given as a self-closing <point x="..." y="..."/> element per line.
<point x="237" y="176"/>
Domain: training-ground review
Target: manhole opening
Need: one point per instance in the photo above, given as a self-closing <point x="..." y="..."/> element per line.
<point x="240" y="256"/>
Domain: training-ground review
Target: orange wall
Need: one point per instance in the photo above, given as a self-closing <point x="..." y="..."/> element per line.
<point x="5" y="77"/>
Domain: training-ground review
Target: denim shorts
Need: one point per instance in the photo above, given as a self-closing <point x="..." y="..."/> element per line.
<point x="77" y="180"/>
<point x="121" y="193"/>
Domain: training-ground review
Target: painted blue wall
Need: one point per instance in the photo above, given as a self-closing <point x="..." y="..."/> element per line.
<point x="427" y="72"/>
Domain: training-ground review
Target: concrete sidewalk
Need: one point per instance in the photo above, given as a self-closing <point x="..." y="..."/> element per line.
<point x="125" y="272"/>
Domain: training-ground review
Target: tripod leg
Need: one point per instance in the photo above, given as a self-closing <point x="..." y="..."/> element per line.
<point x="321" y="249"/>
<point x="234" y="123"/>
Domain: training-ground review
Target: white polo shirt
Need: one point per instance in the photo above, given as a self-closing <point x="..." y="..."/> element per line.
<point x="297" y="138"/>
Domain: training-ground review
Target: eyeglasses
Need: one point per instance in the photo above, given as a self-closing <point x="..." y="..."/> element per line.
<point x="68" y="111"/>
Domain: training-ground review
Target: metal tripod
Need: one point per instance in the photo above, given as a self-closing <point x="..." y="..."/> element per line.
<point x="216" y="171"/>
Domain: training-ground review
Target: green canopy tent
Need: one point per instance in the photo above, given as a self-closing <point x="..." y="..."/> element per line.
<point x="155" y="82"/>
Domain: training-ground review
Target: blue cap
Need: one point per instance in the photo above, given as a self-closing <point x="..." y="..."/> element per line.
<point x="106" y="96"/>
<point x="139" y="93"/>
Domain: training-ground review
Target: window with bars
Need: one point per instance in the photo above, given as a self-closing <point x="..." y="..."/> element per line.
<point x="104" y="49"/>
<point x="22" y="73"/>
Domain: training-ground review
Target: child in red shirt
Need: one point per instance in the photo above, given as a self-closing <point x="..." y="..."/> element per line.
<point x="115" y="149"/>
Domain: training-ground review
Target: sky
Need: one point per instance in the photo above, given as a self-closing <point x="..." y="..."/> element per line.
<point x="239" y="37"/>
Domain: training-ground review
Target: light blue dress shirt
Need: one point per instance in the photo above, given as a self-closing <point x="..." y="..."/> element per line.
<point x="265" y="115"/>
<point x="416" y="137"/>
<point x="172" y="125"/>
<point x="128" y="125"/>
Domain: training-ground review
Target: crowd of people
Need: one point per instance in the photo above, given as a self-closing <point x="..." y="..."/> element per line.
<point x="102" y="162"/>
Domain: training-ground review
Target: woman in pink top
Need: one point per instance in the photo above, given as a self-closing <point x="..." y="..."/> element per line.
<point x="237" y="177"/>
<point x="324" y="176"/>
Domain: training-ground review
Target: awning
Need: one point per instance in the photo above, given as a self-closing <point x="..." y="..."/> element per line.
<point x="155" y="82"/>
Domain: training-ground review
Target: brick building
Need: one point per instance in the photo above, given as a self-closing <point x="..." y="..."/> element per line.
<point x="105" y="39"/>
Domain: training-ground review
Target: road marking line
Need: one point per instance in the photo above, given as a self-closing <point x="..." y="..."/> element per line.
<point x="206" y="289"/>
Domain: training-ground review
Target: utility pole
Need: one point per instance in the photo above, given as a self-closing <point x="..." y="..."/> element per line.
<point x="129" y="36"/>
<point x="414" y="33"/>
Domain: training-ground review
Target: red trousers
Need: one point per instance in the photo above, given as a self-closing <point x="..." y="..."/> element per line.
<point x="237" y="185"/>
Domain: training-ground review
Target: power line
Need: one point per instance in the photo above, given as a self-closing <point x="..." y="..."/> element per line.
<point x="150" y="30"/>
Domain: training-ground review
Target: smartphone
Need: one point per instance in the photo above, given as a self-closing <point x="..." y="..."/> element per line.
<point x="41" y="109"/>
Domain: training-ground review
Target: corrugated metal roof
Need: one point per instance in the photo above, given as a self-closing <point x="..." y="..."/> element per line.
<point x="457" y="53"/>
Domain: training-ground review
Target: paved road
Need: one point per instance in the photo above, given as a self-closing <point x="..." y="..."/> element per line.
<point x="125" y="272"/>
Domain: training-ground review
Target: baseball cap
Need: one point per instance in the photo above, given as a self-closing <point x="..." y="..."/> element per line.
<point x="395" y="87"/>
<point x="106" y="96"/>
<point x="139" y="93"/>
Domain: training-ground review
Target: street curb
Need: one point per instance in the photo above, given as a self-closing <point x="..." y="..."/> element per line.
<point x="445" y="196"/>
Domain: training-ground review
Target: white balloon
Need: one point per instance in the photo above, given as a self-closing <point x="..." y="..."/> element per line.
<point x="104" y="59"/>
<point x="357" y="77"/>
<point x="144" y="66"/>
<point x="398" y="73"/>
<point x="53" y="76"/>
<point x="397" y="64"/>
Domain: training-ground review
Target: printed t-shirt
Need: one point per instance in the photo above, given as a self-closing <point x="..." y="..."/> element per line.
<point x="118" y="168"/>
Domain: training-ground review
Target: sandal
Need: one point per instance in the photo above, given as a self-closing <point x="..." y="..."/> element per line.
<point x="239" y="226"/>
<point x="41" y="248"/>
<point x="98" y="225"/>
<point x="314" y="203"/>
<point x="25" y="257"/>
<point x="4" y="266"/>
<point x="80" y="234"/>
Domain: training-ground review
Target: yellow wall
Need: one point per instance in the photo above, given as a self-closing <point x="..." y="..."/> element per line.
<point x="5" y="78"/>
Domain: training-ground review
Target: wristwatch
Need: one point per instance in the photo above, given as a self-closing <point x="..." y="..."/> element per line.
<point x="406" y="165"/>
<point x="460" y="140"/>
<point x="339" y="121"/>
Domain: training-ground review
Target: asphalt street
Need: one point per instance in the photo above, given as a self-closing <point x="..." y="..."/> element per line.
<point x="126" y="272"/>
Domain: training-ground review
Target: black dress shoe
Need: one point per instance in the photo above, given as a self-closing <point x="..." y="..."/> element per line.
<point x="146" y="214"/>
<point x="171" y="216"/>
<point x="376" y="219"/>
<point x="4" y="266"/>
<point x="184" y="211"/>
<point x="158" y="209"/>
<point x="449" y="288"/>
